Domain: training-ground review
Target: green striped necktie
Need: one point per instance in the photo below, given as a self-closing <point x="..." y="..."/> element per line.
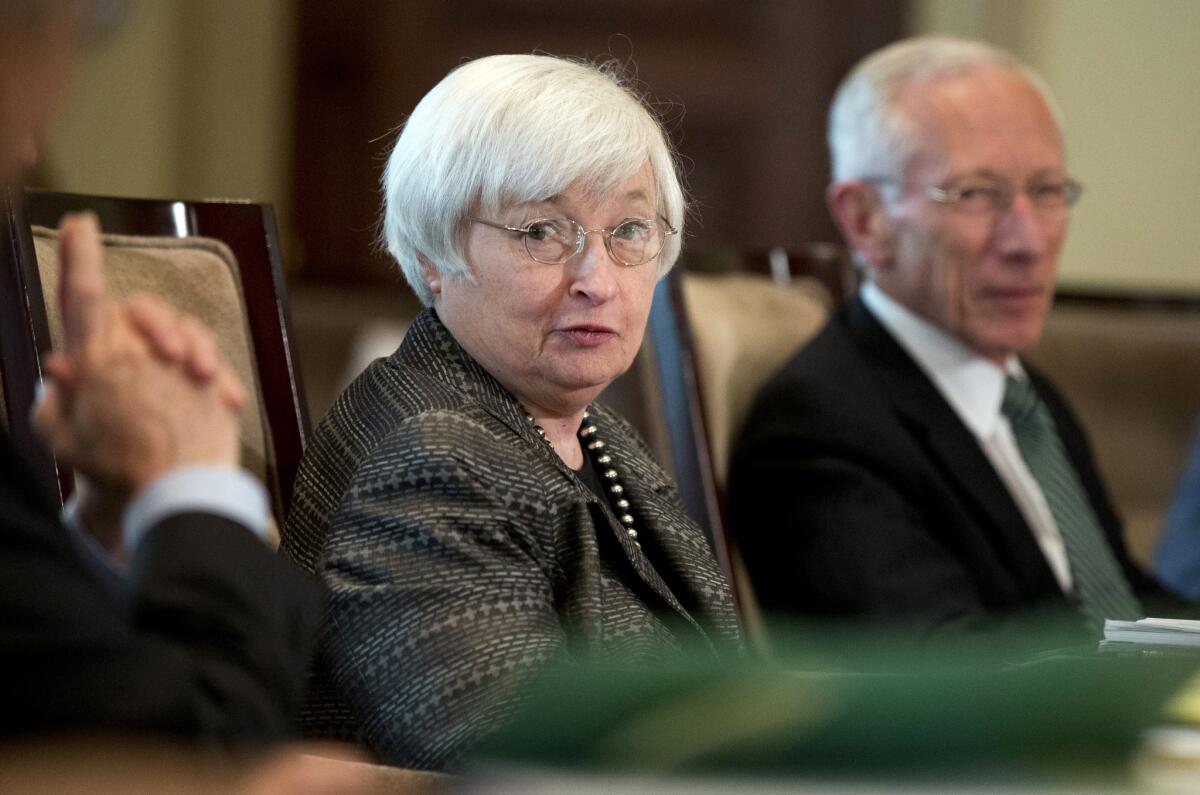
<point x="1100" y="586"/>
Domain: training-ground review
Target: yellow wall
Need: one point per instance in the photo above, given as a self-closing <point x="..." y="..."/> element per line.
<point x="119" y="130"/>
<point x="1127" y="75"/>
<point x="190" y="99"/>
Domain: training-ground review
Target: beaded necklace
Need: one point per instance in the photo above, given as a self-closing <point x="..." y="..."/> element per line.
<point x="610" y="477"/>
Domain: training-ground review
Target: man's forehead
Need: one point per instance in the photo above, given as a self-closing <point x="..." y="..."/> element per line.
<point x="969" y="117"/>
<point x="934" y="98"/>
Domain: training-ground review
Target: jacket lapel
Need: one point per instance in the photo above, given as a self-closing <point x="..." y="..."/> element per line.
<point x="647" y="488"/>
<point x="952" y="448"/>
<point x="431" y="347"/>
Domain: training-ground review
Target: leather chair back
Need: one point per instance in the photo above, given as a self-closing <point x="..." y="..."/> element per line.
<point x="218" y="261"/>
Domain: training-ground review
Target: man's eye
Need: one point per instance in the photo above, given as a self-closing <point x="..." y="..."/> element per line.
<point x="636" y="229"/>
<point x="978" y="193"/>
<point x="1050" y="191"/>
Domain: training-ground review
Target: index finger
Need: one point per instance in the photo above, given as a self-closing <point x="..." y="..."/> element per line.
<point x="82" y="290"/>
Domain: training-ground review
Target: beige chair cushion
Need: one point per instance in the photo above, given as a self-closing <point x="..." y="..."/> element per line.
<point x="745" y="327"/>
<point x="1132" y="374"/>
<point x="195" y="275"/>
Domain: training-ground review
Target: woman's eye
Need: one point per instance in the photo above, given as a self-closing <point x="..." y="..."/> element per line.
<point x="632" y="230"/>
<point x="545" y="230"/>
<point x="540" y="230"/>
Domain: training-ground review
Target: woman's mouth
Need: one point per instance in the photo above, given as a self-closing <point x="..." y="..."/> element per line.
<point x="588" y="334"/>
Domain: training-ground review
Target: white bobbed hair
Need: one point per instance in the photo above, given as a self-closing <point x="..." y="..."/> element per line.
<point x="509" y="129"/>
<point x="868" y="136"/>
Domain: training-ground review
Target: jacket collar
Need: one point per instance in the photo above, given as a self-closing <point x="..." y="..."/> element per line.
<point x="430" y="348"/>
<point x="972" y="384"/>
<point x="950" y="445"/>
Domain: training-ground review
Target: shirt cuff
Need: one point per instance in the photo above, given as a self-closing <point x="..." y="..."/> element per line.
<point x="224" y="491"/>
<point x="107" y="569"/>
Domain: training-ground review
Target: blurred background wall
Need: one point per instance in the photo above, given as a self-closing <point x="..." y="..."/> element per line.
<point x="198" y="98"/>
<point x="295" y="102"/>
<point x="191" y="98"/>
<point x="1124" y="73"/>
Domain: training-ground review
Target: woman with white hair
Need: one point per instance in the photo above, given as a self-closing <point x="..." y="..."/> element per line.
<point x="473" y="512"/>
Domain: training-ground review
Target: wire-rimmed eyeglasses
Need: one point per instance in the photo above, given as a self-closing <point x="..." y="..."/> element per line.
<point x="553" y="241"/>
<point x="985" y="196"/>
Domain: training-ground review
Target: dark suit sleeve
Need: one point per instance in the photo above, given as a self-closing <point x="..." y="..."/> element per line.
<point x="212" y="641"/>
<point x="1177" y="559"/>
<point x="830" y="531"/>
<point x="441" y="606"/>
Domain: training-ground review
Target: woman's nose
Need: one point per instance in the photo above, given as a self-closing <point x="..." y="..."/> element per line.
<point x="594" y="270"/>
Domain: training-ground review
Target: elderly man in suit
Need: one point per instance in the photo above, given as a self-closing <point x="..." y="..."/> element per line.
<point x="908" y="464"/>
<point x="202" y="631"/>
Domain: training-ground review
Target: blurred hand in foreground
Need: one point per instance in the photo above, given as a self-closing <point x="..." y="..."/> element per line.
<point x="315" y="770"/>
<point x="137" y="389"/>
<point x="103" y="766"/>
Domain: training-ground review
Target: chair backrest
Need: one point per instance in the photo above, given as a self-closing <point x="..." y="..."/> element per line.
<point x="714" y="339"/>
<point x="217" y="260"/>
<point x="744" y="327"/>
<point x="829" y="264"/>
<point x="1128" y="363"/>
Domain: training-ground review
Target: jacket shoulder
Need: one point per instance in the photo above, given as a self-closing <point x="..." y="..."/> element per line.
<point x="828" y="384"/>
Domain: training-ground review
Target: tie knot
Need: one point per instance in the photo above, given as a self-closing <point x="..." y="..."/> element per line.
<point x="1020" y="402"/>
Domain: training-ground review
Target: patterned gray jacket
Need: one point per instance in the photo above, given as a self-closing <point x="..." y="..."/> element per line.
<point x="462" y="554"/>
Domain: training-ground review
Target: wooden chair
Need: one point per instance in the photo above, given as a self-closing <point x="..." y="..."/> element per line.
<point x="218" y="260"/>
<point x="700" y="385"/>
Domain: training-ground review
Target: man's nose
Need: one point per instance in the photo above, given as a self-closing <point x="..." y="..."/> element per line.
<point x="1020" y="231"/>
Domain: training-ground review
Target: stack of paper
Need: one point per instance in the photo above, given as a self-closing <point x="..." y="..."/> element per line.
<point x="1152" y="632"/>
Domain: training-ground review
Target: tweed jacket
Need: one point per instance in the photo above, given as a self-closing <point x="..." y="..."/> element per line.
<point x="462" y="554"/>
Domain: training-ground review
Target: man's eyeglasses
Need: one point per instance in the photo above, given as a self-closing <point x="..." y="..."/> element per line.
<point x="982" y="196"/>
<point x="555" y="240"/>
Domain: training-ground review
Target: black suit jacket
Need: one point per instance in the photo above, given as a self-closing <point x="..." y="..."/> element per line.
<point x="211" y="639"/>
<point x="856" y="491"/>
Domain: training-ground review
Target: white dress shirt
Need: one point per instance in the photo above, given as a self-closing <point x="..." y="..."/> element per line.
<point x="224" y="491"/>
<point x="974" y="387"/>
<point x="231" y="493"/>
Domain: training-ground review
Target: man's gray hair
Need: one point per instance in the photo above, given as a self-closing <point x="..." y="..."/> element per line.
<point x="868" y="136"/>
<point x="509" y="129"/>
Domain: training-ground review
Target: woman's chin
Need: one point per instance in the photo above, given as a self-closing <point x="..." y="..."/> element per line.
<point x="584" y="386"/>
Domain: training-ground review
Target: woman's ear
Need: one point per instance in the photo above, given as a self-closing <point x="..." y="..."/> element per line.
<point x="861" y="214"/>
<point x="430" y="275"/>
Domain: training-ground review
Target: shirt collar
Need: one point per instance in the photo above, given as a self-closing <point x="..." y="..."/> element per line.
<point x="972" y="384"/>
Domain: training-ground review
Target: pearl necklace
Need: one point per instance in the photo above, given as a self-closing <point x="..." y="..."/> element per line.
<point x="611" y="479"/>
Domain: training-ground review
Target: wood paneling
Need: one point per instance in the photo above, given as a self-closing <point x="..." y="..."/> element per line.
<point x="743" y="86"/>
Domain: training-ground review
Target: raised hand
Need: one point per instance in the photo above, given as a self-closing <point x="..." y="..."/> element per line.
<point x="137" y="389"/>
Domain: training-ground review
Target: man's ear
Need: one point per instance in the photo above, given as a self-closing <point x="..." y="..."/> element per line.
<point x="860" y="213"/>
<point x="430" y="275"/>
